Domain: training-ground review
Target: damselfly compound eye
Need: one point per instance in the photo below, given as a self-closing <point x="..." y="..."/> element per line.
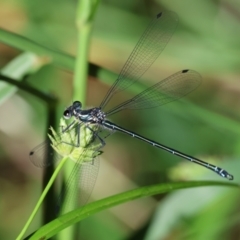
<point x="67" y="114"/>
<point x="77" y="104"/>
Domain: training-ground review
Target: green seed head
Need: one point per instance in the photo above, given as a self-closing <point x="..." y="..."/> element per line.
<point x="65" y="143"/>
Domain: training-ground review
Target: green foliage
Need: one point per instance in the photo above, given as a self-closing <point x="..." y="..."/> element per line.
<point x="72" y="217"/>
<point x="205" y="125"/>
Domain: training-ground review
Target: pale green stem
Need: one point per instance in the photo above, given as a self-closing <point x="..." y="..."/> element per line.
<point x="84" y="26"/>
<point x="84" y="16"/>
<point x="43" y="195"/>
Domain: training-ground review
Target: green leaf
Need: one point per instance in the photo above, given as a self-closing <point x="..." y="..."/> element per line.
<point x="24" y="44"/>
<point x="20" y="66"/>
<point x="77" y="215"/>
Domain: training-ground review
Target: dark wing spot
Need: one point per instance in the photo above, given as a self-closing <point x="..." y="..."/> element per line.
<point x="159" y="15"/>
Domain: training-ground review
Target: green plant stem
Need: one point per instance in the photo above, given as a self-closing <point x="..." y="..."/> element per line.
<point x="81" y="64"/>
<point x="84" y="26"/>
<point x="51" y="181"/>
<point x="84" y="16"/>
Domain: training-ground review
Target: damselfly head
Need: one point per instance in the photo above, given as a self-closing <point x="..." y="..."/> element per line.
<point x="69" y="112"/>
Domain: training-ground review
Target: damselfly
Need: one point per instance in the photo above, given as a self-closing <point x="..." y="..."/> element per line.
<point x="150" y="45"/>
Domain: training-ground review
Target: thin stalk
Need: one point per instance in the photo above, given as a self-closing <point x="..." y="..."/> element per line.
<point x="84" y="15"/>
<point x="81" y="64"/>
<point x="42" y="197"/>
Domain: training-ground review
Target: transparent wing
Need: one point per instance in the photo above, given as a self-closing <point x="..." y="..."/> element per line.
<point x="87" y="180"/>
<point x="172" y="88"/>
<point x="87" y="176"/>
<point x="150" y="45"/>
<point x="81" y="181"/>
<point x="44" y="155"/>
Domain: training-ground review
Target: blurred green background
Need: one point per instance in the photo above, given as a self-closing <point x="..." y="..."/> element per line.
<point x="205" y="124"/>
